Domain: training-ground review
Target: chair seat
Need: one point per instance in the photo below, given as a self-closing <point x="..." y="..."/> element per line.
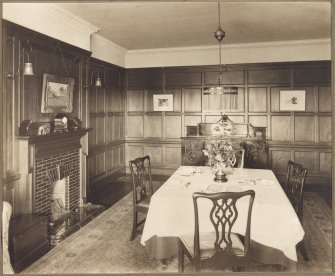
<point x="207" y="249"/>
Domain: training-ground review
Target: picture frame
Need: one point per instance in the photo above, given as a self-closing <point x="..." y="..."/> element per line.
<point x="292" y="100"/>
<point x="260" y="132"/>
<point x="163" y="102"/>
<point x="57" y="94"/>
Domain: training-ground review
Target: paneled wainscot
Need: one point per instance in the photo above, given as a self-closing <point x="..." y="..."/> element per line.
<point x="256" y="151"/>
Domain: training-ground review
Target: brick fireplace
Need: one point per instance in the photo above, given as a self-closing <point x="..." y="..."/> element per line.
<point x="43" y="182"/>
<point x="53" y="162"/>
<point x="49" y="153"/>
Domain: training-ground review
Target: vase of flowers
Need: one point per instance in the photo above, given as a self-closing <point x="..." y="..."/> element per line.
<point x="221" y="157"/>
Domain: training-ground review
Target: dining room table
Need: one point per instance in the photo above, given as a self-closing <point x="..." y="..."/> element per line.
<point x="275" y="226"/>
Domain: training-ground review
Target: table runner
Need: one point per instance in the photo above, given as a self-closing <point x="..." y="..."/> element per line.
<point x="274" y="222"/>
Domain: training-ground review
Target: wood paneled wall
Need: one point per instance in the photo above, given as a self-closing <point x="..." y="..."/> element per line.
<point x="22" y="95"/>
<point x="301" y="136"/>
<point x="106" y="120"/>
<point x="99" y="108"/>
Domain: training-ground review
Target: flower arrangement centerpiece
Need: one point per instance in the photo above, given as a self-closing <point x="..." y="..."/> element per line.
<point x="221" y="156"/>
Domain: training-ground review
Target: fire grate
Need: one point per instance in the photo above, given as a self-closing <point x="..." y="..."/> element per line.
<point x="64" y="227"/>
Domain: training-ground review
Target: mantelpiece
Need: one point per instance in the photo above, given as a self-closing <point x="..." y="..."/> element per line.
<point x="54" y="160"/>
<point x="256" y="150"/>
<point x="39" y="148"/>
<point x="55" y="142"/>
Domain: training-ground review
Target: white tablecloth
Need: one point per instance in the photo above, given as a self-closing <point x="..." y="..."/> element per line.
<point x="274" y="222"/>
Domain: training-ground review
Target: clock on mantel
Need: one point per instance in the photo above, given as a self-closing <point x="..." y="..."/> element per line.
<point x="60" y="123"/>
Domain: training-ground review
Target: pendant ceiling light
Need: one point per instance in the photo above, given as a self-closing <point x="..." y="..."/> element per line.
<point x="219" y="34"/>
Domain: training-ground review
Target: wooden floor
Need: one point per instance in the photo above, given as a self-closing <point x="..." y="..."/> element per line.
<point x="324" y="190"/>
<point x="108" y="192"/>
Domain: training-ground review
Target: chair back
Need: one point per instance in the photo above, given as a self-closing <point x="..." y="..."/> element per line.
<point x="239" y="155"/>
<point x="140" y="169"/>
<point x="223" y="215"/>
<point x="295" y="180"/>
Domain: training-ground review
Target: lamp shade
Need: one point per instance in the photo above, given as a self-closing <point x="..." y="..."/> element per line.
<point x="28" y="69"/>
<point x="98" y="82"/>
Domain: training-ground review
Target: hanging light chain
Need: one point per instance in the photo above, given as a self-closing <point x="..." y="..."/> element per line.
<point x="219" y="14"/>
<point x="219" y="35"/>
<point x="220" y="66"/>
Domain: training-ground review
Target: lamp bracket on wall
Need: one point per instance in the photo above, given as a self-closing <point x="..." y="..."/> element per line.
<point x="97" y="82"/>
<point x="28" y="66"/>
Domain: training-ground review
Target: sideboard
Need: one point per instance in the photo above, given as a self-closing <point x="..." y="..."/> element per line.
<point x="256" y="150"/>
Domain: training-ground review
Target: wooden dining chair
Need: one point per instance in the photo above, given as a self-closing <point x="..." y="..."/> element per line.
<point x="140" y="169"/>
<point x="221" y="248"/>
<point x="294" y="189"/>
<point x="239" y="154"/>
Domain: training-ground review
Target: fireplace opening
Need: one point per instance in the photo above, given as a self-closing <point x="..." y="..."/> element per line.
<point x="59" y="202"/>
<point x="64" y="217"/>
<point x="57" y="192"/>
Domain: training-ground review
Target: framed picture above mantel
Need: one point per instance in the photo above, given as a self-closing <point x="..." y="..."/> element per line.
<point x="57" y="94"/>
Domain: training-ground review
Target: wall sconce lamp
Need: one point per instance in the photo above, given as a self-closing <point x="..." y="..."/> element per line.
<point x="97" y="82"/>
<point x="28" y="66"/>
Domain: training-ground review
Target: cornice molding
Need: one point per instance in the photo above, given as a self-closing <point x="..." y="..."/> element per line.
<point x="242" y="46"/>
<point x="107" y="50"/>
<point x="279" y="51"/>
<point x="105" y="43"/>
<point x="72" y="19"/>
<point x="52" y="20"/>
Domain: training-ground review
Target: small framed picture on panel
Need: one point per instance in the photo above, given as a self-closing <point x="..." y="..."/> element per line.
<point x="292" y="100"/>
<point x="163" y="102"/>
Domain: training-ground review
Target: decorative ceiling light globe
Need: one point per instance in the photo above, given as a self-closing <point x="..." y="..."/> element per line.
<point x="219" y="34"/>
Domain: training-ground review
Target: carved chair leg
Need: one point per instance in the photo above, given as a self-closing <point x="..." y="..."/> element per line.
<point x="180" y="257"/>
<point x="132" y="237"/>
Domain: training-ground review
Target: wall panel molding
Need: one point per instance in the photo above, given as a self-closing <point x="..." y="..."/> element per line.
<point x="304" y="136"/>
<point x="107" y="118"/>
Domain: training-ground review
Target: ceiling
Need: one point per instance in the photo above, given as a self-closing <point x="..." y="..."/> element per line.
<point x="145" y="25"/>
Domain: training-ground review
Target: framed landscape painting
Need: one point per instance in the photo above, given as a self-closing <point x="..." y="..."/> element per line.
<point x="57" y="94"/>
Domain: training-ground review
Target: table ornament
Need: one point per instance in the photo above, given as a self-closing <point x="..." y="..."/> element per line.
<point x="221" y="157"/>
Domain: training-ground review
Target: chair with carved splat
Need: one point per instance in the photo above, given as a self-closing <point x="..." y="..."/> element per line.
<point x="294" y="189"/>
<point x="140" y="169"/>
<point x="221" y="248"/>
<point x="239" y="155"/>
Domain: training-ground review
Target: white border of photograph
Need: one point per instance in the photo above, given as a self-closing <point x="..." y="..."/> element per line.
<point x="292" y="100"/>
<point x="163" y="102"/>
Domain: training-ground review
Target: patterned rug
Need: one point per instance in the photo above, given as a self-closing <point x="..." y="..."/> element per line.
<point x="103" y="245"/>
